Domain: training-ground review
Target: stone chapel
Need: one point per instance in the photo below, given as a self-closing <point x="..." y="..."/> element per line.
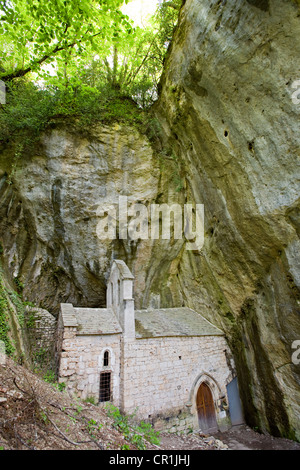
<point x="170" y="366"/>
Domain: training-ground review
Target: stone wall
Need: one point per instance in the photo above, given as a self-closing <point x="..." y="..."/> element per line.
<point x="156" y="379"/>
<point x="40" y="332"/>
<point x="81" y="363"/>
<point x="162" y="376"/>
<point x="120" y="296"/>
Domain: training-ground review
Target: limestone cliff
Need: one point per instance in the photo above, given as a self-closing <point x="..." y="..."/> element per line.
<point x="227" y="107"/>
<point x="49" y="214"/>
<point x="227" y="137"/>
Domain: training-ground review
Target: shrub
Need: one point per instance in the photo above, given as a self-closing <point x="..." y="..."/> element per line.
<point x="136" y="433"/>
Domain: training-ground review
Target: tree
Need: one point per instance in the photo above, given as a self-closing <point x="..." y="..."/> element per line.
<point x="35" y="32"/>
<point x="103" y="66"/>
<point x="135" y="61"/>
<point x="129" y="67"/>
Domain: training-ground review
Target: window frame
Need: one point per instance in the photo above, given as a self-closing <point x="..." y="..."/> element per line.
<point x="105" y="387"/>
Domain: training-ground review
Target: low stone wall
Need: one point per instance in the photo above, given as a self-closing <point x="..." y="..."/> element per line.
<point x="40" y="333"/>
<point x="174" y="421"/>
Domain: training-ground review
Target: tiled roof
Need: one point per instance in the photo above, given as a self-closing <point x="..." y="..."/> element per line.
<point x="149" y="323"/>
<point x="172" y="322"/>
<point x="91" y="321"/>
<point x="96" y="321"/>
<point x="68" y="315"/>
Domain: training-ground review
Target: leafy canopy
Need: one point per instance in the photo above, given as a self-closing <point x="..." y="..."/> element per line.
<point x="36" y="31"/>
<point x="81" y="58"/>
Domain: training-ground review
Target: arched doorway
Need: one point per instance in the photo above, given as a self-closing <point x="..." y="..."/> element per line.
<point x="206" y="409"/>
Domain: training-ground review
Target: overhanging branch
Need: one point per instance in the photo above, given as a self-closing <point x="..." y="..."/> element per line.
<point x="22" y="72"/>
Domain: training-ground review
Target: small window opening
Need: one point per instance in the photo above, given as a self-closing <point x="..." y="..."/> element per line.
<point x="106" y="359"/>
<point x="105" y="387"/>
<point x="119" y="292"/>
<point x="112" y="292"/>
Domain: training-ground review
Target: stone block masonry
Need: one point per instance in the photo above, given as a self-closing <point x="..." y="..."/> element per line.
<point x="162" y="375"/>
<point x="149" y="363"/>
<point x="39" y="328"/>
<point x="82" y="361"/>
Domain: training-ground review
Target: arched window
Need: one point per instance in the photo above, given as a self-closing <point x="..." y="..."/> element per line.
<point x="106" y="359"/>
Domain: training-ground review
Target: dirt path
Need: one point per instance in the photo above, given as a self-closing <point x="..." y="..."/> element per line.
<point x="237" y="438"/>
<point x="244" y="438"/>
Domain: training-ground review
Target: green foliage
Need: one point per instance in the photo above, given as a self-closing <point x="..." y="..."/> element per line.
<point x="29" y="110"/>
<point x="93" y="427"/>
<point x="30" y="320"/>
<point x="37" y="31"/>
<point x="85" y="41"/>
<point x="19" y="284"/>
<point x="135" y="60"/>
<point x="78" y="409"/>
<point x="42" y="416"/>
<point x="103" y="68"/>
<point x="125" y="447"/>
<point x="148" y="432"/>
<point x="16" y="299"/>
<point x="61" y="386"/>
<point x="4" y="325"/>
<point x="50" y="378"/>
<point x="90" y="400"/>
<point x="135" y="433"/>
<point x="5" y="315"/>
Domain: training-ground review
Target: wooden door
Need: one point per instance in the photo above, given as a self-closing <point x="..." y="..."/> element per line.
<point x="206" y="409"/>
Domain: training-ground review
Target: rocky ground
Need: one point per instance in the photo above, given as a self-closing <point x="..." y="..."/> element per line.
<point x="34" y="415"/>
<point x="237" y="438"/>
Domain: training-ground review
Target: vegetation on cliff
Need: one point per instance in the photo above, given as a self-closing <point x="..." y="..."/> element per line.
<point x="12" y="313"/>
<point x="79" y="59"/>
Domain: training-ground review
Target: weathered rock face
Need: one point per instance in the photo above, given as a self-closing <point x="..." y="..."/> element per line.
<point x="228" y="115"/>
<point x="227" y="107"/>
<point x="49" y="215"/>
